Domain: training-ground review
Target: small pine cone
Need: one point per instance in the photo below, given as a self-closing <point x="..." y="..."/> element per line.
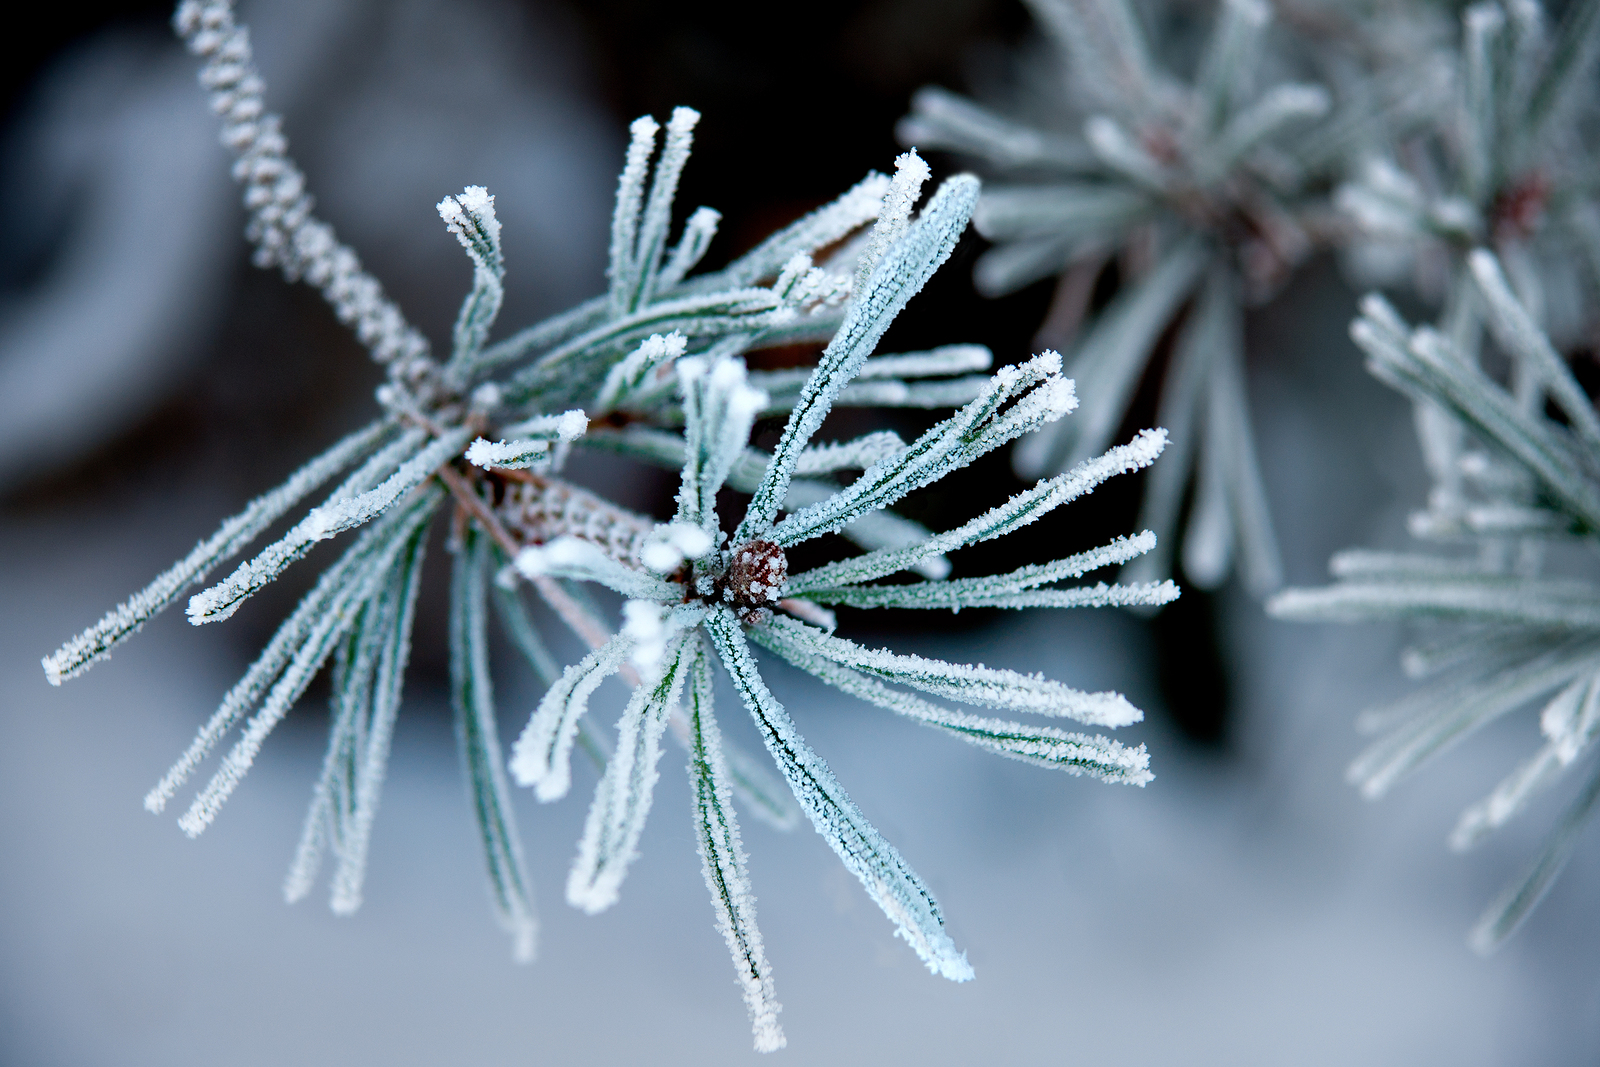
<point x="756" y="576"/>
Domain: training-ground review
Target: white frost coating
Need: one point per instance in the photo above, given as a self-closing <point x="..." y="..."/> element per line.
<point x="478" y="743"/>
<point x="1043" y="746"/>
<point x="567" y="426"/>
<point x="1109" y="362"/>
<point x="357" y="588"/>
<point x="542" y="756"/>
<point x="282" y="227"/>
<point x="1505" y="600"/>
<point x="719" y="409"/>
<point x="622" y="799"/>
<point x="698" y="233"/>
<point x="990" y="687"/>
<point x="1571" y="722"/>
<point x="824" y="226"/>
<point x="1020" y="510"/>
<point x="518" y="454"/>
<point x="1503" y="917"/>
<point x="658" y="211"/>
<point x="645" y="624"/>
<point x="1018" y="399"/>
<point x="1432" y="365"/>
<point x="856" y="455"/>
<point x="291" y="634"/>
<point x="223" y="599"/>
<point x="572" y="557"/>
<point x="327" y="818"/>
<point x="890" y="882"/>
<point x="875" y="530"/>
<point x="630" y="203"/>
<point x="366" y="697"/>
<point x="906" y="266"/>
<point x="1418" y="740"/>
<point x="910" y="172"/>
<point x="471" y="218"/>
<point x="722" y="859"/>
<point x="936" y="595"/>
<point x="351" y="872"/>
<point x="894" y="393"/>
<point x="1119" y="550"/>
<point x="883" y="375"/>
<point x="122" y="622"/>
<point x="639" y="368"/>
<point x="946" y="359"/>
<point x="486" y="397"/>
<point x="669" y="544"/>
<point x="1517" y="333"/>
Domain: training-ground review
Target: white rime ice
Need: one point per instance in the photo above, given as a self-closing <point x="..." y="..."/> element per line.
<point x="542" y="756"/>
<point x="121" y="623"/>
<point x="720" y="407"/>
<point x="1045" y="746"/>
<point x="311" y="647"/>
<point x="530" y="441"/>
<point x="1020" y="510"/>
<point x="903" y="270"/>
<point x="1508" y="478"/>
<point x="622" y="798"/>
<point x="1017" y="399"/>
<point x="366" y="703"/>
<point x="471" y="218"/>
<point x="909" y="173"/>
<point x="573" y="557"/>
<point x="984" y="686"/>
<point x="329" y="520"/>
<point x="855" y="455"/>
<point x="478" y="741"/>
<point x="1207" y="180"/>
<point x="654" y="369"/>
<point x="723" y="861"/>
<point x="642" y="364"/>
<point x="887" y="878"/>
<point x="285" y="232"/>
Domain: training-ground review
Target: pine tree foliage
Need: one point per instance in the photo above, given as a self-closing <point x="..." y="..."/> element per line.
<point x="652" y="368"/>
<point x="1381" y="131"/>
<point x="1205" y="192"/>
<point x="1501" y="633"/>
<point x="1485" y="200"/>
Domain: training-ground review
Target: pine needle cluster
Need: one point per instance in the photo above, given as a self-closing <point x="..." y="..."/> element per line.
<point x="652" y="368"/>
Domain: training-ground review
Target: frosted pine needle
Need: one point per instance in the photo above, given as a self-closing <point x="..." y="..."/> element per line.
<point x="654" y="368"/>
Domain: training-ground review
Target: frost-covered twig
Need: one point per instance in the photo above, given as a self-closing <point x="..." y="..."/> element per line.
<point x="282" y="227"/>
